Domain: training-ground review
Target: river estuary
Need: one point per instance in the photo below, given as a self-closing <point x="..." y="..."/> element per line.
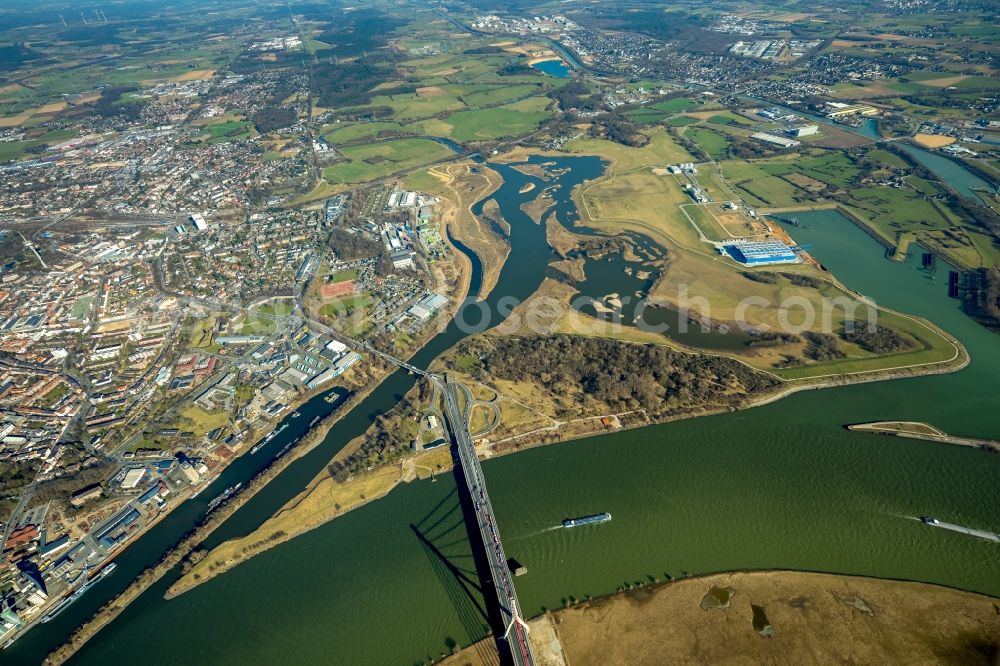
<point x="780" y="486"/>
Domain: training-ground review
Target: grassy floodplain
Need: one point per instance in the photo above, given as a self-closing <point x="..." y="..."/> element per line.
<point x="631" y="197"/>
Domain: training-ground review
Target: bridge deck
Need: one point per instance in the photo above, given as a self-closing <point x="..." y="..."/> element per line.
<point x="517" y="638"/>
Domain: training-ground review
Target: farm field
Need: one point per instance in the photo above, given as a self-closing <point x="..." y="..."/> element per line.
<point x="233" y="130"/>
<point x="369" y="162"/>
<point x="711" y="142"/>
<point x="676" y="105"/>
<point x="12" y="150"/>
<point x="498" y="122"/>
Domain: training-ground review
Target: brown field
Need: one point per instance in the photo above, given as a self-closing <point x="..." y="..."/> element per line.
<point x="836" y="138"/>
<point x="430" y="91"/>
<point x="14" y="121"/>
<point x="944" y="82"/>
<point x="6" y="90"/>
<point x="702" y="115"/>
<point x="542" y="56"/>
<point x="903" y="39"/>
<point x="196" y="75"/>
<point x="933" y="140"/>
<point x="52" y="107"/>
<point x="86" y="98"/>
<point x="791" y="17"/>
<point x="735" y="223"/>
<point x="805" y="182"/>
<point x="816" y="619"/>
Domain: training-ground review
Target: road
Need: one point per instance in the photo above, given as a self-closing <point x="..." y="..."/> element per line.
<point x="516" y="635"/>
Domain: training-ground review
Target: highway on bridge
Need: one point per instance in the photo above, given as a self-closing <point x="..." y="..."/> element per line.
<point x="516" y="635"/>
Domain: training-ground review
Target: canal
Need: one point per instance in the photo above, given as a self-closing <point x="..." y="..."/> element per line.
<point x="780" y="486"/>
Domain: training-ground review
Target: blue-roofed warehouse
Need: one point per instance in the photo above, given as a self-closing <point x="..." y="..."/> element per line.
<point x="759" y="253"/>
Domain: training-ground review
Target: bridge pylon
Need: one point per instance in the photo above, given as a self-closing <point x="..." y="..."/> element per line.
<point x="516" y="619"/>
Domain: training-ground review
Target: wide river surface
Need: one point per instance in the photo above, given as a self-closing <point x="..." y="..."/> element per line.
<point x="783" y="486"/>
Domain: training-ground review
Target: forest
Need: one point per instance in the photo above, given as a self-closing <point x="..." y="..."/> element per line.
<point x="622" y="375"/>
<point x="271" y="118"/>
<point x="353" y="246"/>
<point x="877" y="339"/>
<point x="822" y="346"/>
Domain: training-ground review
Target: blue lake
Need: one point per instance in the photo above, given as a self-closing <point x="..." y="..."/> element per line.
<point x="553" y="68"/>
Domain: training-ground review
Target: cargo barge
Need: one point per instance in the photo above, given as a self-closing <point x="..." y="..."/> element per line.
<point x="587" y="520"/>
<point x="65" y="603"/>
<point x="971" y="531"/>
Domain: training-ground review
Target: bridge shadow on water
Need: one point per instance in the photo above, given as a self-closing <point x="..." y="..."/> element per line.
<point x="449" y="536"/>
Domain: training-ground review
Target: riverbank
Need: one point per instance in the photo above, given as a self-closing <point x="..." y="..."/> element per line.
<point x="310" y="509"/>
<point x="783" y="617"/>
<point x="461" y="186"/>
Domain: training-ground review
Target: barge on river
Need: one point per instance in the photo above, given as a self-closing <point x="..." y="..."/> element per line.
<point x="587" y="520"/>
<point x="971" y="531"/>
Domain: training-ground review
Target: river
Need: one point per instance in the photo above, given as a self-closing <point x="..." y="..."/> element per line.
<point x="781" y="486"/>
<point x="963" y="180"/>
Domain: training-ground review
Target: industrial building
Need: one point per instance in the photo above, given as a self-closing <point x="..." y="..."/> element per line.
<point x="423" y="309"/>
<point x="198" y="220"/>
<point x="133" y="477"/>
<point x="761" y="253"/>
<point x="82" y="496"/>
<point x="775" y="139"/>
<point x="402" y="259"/>
<point x="841" y="110"/>
<point x="804" y="130"/>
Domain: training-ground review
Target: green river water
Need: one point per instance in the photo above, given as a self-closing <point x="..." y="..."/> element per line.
<point x="780" y="486"/>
